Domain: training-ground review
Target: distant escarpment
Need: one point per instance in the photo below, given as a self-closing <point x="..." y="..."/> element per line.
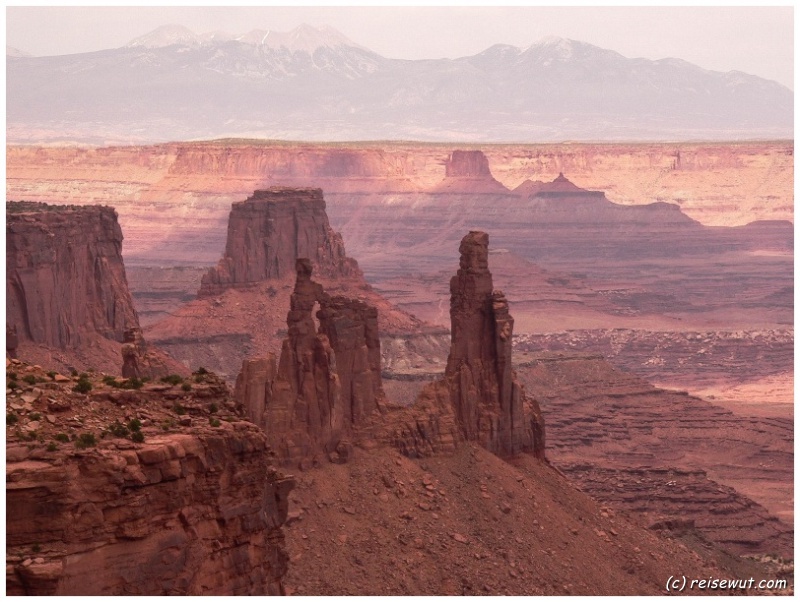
<point x="68" y="303"/>
<point x="326" y="394"/>
<point x="65" y="278"/>
<point x="163" y="490"/>
<point x="269" y="231"/>
<point x="468" y="172"/>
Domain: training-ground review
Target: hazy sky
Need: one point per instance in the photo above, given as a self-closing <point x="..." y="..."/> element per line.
<point x="754" y="40"/>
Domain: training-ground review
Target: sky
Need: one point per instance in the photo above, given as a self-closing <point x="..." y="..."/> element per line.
<point x="759" y="41"/>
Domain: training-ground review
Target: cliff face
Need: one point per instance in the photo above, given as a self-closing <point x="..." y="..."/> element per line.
<point x="488" y="401"/>
<point x="64" y="275"/>
<point x="269" y="231"/>
<point x="468" y="172"/>
<point x="192" y="506"/>
<point x="327" y="382"/>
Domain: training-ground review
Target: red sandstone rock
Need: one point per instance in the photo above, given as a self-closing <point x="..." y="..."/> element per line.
<point x="65" y="279"/>
<point x="137" y="360"/>
<point x="468" y="172"/>
<point x="327" y="381"/>
<point x="488" y="401"/>
<point x="269" y="231"/>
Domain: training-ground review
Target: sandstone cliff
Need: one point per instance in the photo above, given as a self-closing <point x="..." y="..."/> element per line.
<point x="269" y="231"/>
<point x="328" y="380"/>
<point x="68" y="304"/>
<point x="161" y="490"/>
<point x="65" y="278"/>
<point x="467" y="171"/>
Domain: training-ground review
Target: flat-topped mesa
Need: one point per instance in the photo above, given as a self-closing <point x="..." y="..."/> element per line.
<point x="468" y="172"/>
<point x="65" y="279"/>
<point x="269" y="231"/>
<point x="327" y="383"/>
<point x="489" y="404"/>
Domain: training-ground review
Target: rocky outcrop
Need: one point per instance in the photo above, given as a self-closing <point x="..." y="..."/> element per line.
<point x="560" y="187"/>
<point x="269" y="231"/>
<point x="155" y="491"/>
<point x="327" y="381"/>
<point x="467" y="171"/>
<point x="65" y="279"/>
<point x="12" y="341"/>
<point x="137" y="360"/>
<point x="488" y="401"/>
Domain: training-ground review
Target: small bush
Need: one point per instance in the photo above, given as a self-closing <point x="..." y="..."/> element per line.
<point x="36" y="548"/>
<point x="118" y="430"/>
<point x="179" y="409"/>
<point x="73" y="373"/>
<point x="83" y="386"/>
<point x="202" y="370"/>
<point x="63" y="437"/>
<point x="172" y="379"/>
<point x="213" y="408"/>
<point x="131" y="383"/>
<point x="12" y="375"/>
<point x="51" y="447"/>
<point x="83" y="375"/>
<point x="52" y="375"/>
<point x="137" y="437"/>
<point x="30" y="379"/>
<point x="134" y="425"/>
<point x="110" y="380"/>
<point x="214" y="422"/>
<point x="85" y="440"/>
<point x="13" y="385"/>
<point x="186" y="387"/>
<point x="35" y="416"/>
<point x="11" y="419"/>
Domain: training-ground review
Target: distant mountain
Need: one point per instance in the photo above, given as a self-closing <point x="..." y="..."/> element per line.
<point x="314" y="83"/>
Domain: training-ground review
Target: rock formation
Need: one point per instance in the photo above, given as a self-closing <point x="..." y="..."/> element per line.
<point x="488" y="401"/>
<point x="327" y="381"/>
<point x="192" y="505"/>
<point x="468" y="172"/>
<point x="269" y="231"/>
<point x="12" y="341"/>
<point x="137" y="360"/>
<point x="65" y="279"/>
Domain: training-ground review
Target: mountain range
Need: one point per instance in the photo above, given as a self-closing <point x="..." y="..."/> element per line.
<point x="315" y="84"/>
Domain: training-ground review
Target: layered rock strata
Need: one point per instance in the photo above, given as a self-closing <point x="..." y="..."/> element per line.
<point x="154" y="491"/>
<point x="269" y="231"/>
<point x="488" y="400"/>
<point x="328" y="379"/>
<point x="65" y="279"/>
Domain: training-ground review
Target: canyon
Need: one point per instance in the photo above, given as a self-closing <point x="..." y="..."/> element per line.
<point x="385" y="386"/>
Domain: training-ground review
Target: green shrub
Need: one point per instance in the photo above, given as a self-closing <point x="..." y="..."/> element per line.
<point x="11" y="419"/>
<point x="51" y="447"/>
<point x="179" y="409"/>
<point x="202" y="370"/>
<point x="131" y="383"/>
<point x="213" y="421"/>
<point x="85" y="440"/>
<point x="83" y="386"/>
<point x="35" y="416"/>
<point x="13" y="385"/>
<point x="11" y="375"/>
<point x="52" y="375"/>
<point x="63" y="437"/>
<point x="73" y="373"/>
<point x="186" y="387"/>
<point x="172" y="379"/>
<point x="110" y="380"/>
<point x="30" y="379"/>
<point x="134" y="425"/>
<point x="137" y="437"/>
<point x="117" y="429"/>
<point x="213" y="408"/>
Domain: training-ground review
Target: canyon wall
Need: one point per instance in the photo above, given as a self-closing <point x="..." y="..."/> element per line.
<point x="269" y="231"/>
<point x="65" y="278"/>
<point x="155" y="491"/>
<point x="715" y="183"/>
